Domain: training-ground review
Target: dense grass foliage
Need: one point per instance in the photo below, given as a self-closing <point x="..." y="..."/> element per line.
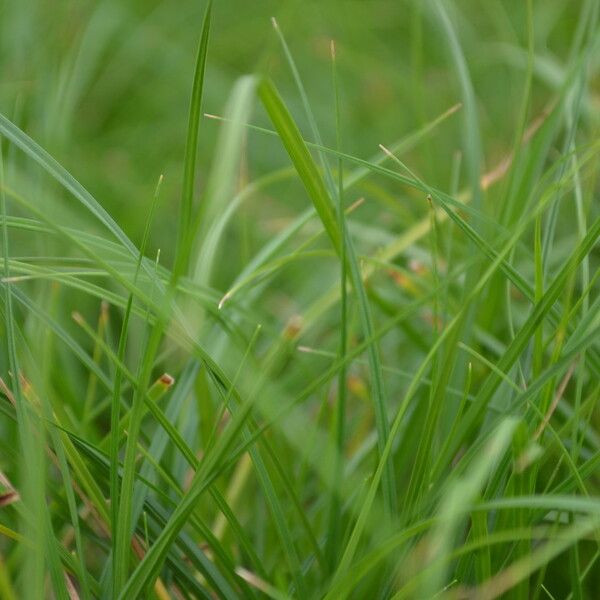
<point x="301" y="307"/>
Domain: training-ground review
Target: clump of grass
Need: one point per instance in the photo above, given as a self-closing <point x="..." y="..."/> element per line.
<point x="389" y="390"/>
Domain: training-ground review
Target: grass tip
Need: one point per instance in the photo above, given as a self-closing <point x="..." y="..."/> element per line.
<point x="254" y="580"/>
<point x="9" y="498"/>
<point x="77" y="317"/>
<point x="386" y="151"/>
<point x="454" y="108"/>
<point x="293" y="327"/>
<point x="224" y="299"/>
<point x="167" y="380"/>
<point x="356" y="204"/>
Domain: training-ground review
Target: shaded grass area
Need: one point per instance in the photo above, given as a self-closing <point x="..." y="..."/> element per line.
<point x="347" y="346"/>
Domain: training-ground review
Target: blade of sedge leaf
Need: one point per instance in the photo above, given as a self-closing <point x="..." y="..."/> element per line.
<point x="339" y="425"/>
<point x="339" y="418"/>
<point x="72" y="506"/>
<point x="121" y="551"/>
<point x="292" y="140"/>
<point x="309" y="174"/>
<point x="115" y="410"/>
<point x="191" y="149"/>
<point x="307" y="108"/>
<point x="472" y="133"/>
<point x="122" y="540"/>
<point x="220" y="186"/>
<point x="153" y="336"/>
<point x="32" y="466"/>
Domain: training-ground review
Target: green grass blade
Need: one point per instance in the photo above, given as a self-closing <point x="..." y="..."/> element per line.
<point x="339" y="425"/>
<point x="115" y="429"/>
<point x="191" y="149"/>
<point x="309" y="174"/>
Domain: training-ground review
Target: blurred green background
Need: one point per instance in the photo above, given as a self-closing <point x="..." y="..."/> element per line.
<point x="104" y="87"/>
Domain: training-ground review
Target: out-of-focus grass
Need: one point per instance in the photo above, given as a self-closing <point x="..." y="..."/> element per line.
<point x="348" y="347"/>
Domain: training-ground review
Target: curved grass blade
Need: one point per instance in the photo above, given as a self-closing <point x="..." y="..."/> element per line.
<point x="309" y="174"/>
<point x="221" y="181"/>
<point x="65" y="179"/>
